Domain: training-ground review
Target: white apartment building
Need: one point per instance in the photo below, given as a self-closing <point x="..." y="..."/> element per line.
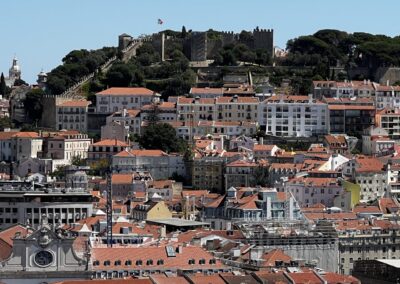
<point x="25" y="145"/>
<point x="346" y="89"/>
<point x="118" y="99"/>
<point x="221" y="108"/>
<point x="68" y="145"/>
<point x="314" y="190"/>
<point x="387" y="97"/>
<point x="72" y="115"/>
<point x="294" y="116"/>
<point x="158" y="163"/>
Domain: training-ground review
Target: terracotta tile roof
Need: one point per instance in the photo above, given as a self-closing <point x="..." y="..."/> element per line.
<point x="368" y="164"/>
<point x="239" y="279"/>
<point x="122" y="178"/>
<point x="203" y="143"/>
<point x="205" y="279"/>
<point x="127" y="91"/>
<point x="305" y="278"/>
<point x="163" y="279"/>
<point x="242" y="163"/>
<point x="129" y="112"/>
<point x="161" y="106"/>
<point x="26" y="135"/>
<point x="330" y="216"/>
<point x="216" y="203"/>
<point x="259" y="147"/>
<point x="6" y="239"/>
<point x="388" y="205"/>
<point x="80" y="103"/>
<point x="110" y="142"/>
<point x="351" y="225"/>
<point x="272" y="277"/>
<point x="286" y="166"/>
<point x="143" y="153"/>
<point x="274" y="255"/>
<point x="335" y="278"/>
<point x="184" y="100"/>
<point x="314" y="181"/>
<point x="180" y="261"/>
<point x="366" y="209"/>
<point x="5" y="135"/>
<point x="206" y="90"/>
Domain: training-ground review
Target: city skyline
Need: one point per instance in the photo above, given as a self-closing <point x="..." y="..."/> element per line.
<point x="41" y="39"/>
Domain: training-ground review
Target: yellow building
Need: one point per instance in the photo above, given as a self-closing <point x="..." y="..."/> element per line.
<point x="151" y="210"/>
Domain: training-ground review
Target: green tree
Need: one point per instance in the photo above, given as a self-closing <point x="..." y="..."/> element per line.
<point x="58" y="173"/>
<point x="119" y="75"/>
<point x="153" y="116"/>
<point x="162" y="136"/>
<point x="5" y="122"/>
<point x="183" y="32"/>
<point x="20" y="82"/>
<point x="3" y="86"/>
<point x="260" y="176"/>
<point x="78" y="161"/>
<point x="33" y="104"/>
<point x="99" y="168"/>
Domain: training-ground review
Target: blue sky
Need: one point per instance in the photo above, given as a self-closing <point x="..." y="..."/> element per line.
<point x="41" y="32"/>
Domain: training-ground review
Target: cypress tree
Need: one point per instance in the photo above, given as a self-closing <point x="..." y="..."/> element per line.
<point x="3" y="86"/>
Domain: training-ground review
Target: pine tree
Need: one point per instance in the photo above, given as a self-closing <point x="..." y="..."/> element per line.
<point x="3" y="86"/>
<point x="183" y="33"/>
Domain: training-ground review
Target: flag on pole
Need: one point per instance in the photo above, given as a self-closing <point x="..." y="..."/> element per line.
<point x="160" y="22"/>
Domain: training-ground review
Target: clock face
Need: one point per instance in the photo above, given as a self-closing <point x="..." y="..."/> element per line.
<point x="44" y="258"/>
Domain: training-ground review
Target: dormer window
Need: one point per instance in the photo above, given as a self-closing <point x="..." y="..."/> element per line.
<point x="160" y="262"/>
<point x="202" y="261"/>
<point x="212" y="261"/>
<point x="128" y="262"/>
<point x="139" y="262"/>
<point x="149" y="262"/>
<point x="96" y="263"/>
<point x="117" y="262"/>
<point x="107" y="263"/>
<point x="191" y="261"/>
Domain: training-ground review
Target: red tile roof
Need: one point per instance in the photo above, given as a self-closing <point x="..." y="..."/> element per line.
<point x="368" y="164"/>
<point x="335" y="278"/>
<point x="205" y="279"/>
<point x="144" y="153"/>
<point x="110" y="142"/>
<point x="127" y="91"/>
<point x="206" y="90"/>
<point x="274" y="255"/>
<point x="366" y="209"/>
<point x="80" y="103"/>
<point x="305" y="278"/>
<point x="180" y="261"/>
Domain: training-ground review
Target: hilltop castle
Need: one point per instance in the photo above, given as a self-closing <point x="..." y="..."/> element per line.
<point x="200" y="46"/>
